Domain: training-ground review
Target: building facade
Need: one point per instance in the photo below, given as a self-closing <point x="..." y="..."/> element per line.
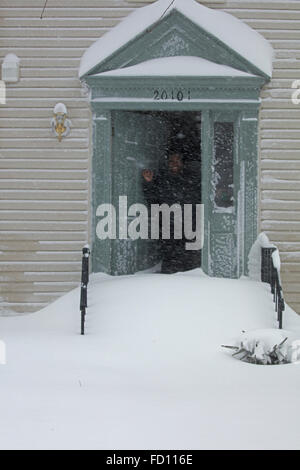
<point x="46" y="183"/>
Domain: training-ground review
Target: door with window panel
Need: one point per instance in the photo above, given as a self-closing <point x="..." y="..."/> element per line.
<point x="221" y="181"/>
<point x="139" y="142"/>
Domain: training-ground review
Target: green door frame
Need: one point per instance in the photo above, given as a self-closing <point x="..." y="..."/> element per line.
<point x="210" y="96"/>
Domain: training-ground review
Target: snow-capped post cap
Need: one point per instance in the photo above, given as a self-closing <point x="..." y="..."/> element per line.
<point x="86" y="251"/>
<point x="11" y="68"/>
<point x="60" y="125"/>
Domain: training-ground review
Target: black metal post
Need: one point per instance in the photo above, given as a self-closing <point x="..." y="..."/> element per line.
<point x="84" y="285"/>
<point x="267" y="265"/>
<point x="270" y="274"/>
<point x="281" y="310"/>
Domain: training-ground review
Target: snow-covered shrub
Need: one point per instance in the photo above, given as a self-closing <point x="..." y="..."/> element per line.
<point x="266" y="347"/>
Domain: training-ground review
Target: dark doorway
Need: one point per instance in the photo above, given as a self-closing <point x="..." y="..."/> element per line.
<point x="178" y="185"/>
<point x="145" y="140"/>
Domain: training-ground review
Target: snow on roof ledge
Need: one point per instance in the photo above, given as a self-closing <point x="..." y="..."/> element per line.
<point x="176" y="66"/>
<point x="228" y="29"/>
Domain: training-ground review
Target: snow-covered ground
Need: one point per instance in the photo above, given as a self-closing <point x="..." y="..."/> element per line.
<point x="150" y="373"/>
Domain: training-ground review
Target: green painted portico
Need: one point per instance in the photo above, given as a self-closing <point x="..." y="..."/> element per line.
<point x="160" y="61"/>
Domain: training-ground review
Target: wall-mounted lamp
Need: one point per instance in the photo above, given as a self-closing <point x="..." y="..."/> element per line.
<point x="11" y="68"/>
<point x="61" y="126"/>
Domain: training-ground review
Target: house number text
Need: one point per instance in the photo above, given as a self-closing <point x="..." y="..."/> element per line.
<point x="176" y="95"/>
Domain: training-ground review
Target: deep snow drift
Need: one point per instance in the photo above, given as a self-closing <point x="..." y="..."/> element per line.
<point x="150" y="373"/>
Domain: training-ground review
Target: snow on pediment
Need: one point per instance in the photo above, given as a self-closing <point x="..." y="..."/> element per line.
<point x="176" y="66"/>
<point x="230" y="31"/>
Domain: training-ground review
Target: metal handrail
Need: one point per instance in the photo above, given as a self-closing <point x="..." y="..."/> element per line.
<point x="84" y="285"/>
<point x="270" y="274"/>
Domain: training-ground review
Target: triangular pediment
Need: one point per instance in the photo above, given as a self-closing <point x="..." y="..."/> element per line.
<point x="180" y="66"/>
<point x="187" y="29"/>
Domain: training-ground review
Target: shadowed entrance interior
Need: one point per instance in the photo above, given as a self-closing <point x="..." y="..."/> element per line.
<point x="145" y="140"/>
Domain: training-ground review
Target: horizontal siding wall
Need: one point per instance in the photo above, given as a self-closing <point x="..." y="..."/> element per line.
<point x="44" y="184"/>
<point x="279" y="22"/>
